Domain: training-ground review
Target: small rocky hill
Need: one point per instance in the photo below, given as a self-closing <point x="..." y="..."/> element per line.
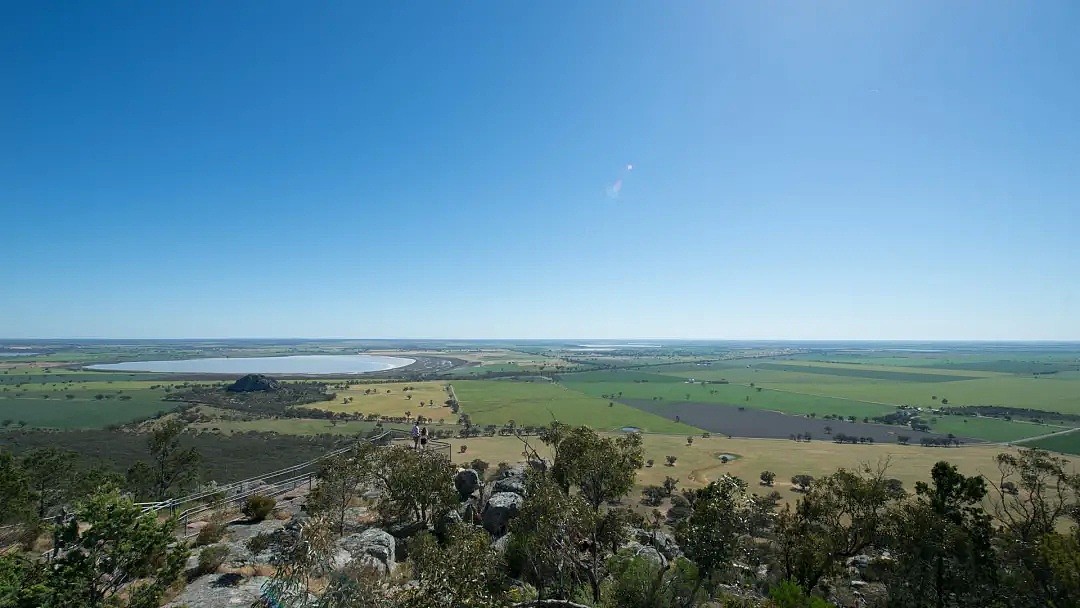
<point x="261" y="395"/>
<point x="253" y="383"/>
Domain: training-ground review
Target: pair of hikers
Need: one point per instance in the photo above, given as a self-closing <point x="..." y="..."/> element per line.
<point x="419" y="437"/>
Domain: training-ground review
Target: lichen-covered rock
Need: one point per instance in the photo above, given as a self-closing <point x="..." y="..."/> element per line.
<point x="501" y="508"/>
<point x="466" y="482"/>
<point x="511" y="484"/>
<point x="372" y="547"/>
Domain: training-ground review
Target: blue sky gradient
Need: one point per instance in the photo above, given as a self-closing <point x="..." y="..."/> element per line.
<point x="839" y="170"/>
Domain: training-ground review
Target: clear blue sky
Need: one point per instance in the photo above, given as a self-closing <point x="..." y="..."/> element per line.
<point x="904" y="170"/>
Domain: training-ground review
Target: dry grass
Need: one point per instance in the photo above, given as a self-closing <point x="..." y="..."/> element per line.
<point x="393" y="403"/>
<point x="700" y="463"/>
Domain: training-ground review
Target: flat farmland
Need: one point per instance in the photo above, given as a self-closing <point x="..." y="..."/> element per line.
<point x="536" y="403"/>
<point x="390" y="399"/>
<point x="1056" y="392"/>
<point x="699" y="463"/>
<point x="1043" y="393"/>
<point x="871" y="372"/>
<point x="1065" y="443"/>
<point x="991" y="429"/>
<point x="83" y="411"/>
<point x="738" y="421"/>
<point x="670" y="389"/>
<point x="845" y="390"/>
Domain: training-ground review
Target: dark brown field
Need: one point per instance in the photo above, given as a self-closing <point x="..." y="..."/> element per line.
<point x="734" y="421"/>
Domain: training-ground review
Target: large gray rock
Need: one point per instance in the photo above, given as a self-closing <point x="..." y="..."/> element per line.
<point x="501" y="508"/>
<point x="466" y="482"/>
<point x="372" y="547"/>
<point x="220" y="591"/>
<point x="519" y="469"/>
<point x="659" y="540"/>
<point x="513" y="479"/>
<point x="511" y="484"/>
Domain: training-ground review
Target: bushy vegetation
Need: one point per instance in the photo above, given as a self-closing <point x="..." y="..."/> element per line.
<point x="223" y="458"/>
<point x="980" y="542"/>
<point x="258" y="508"/>
<point x="1008" y="540"/>
<point x="109" y="553"/>
<point x="211" y="533"/>
<point x="281" y="402"/>
<point x="211" y="558"/>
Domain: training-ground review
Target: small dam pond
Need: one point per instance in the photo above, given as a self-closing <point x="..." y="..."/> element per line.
<point x="321" y="365"/>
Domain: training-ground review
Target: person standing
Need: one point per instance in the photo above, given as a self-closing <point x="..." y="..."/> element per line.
<point x="423" y="438"/>
<point x="416" y="435"/>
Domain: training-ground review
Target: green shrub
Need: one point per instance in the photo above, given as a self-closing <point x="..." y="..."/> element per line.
<point x="211" y="558"/>
<point x="788" y="594"/>
<point x="259" y="543"/>
<point x="479" y="466"/>
<point x="257" y="507"/>
<point x="211" y="533"/>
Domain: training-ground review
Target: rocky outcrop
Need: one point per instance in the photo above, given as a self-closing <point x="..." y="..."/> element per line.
<point x="466" y="482"/>
<point x="220" y="591"/>
<point x="511" y="484"/>
<point x="500" y="509"/>
<point x="650" y="553"/>
<point x="253" y="383"/>
<point x="372" y="547"/>
<point x="663" y="542"/>
<point x="512" y="480"/>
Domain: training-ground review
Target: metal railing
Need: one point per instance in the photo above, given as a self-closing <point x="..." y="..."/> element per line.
<point x="232" y="496"/>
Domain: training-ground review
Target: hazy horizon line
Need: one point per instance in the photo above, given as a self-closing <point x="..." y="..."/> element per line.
<point x="558" y="339"/>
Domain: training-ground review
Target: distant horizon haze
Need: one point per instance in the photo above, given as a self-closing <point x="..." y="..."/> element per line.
<point x="614" y="342"/>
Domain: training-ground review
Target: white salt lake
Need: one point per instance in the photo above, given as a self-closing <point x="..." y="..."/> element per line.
<point x="292" y="364"/>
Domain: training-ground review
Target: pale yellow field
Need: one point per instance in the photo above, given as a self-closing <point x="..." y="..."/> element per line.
<point x="699" y="463"/>
<point x="393" y="403"/>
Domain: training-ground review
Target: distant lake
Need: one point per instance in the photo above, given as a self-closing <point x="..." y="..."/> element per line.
<point x="293" y="364"/>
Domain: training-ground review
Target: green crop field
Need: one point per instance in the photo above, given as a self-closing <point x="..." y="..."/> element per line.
<point x="867" y="372"/>
<point x="662" y="388"/>
<point x="82" y="412"/>
<point x="535" y="403"/>
<point x="860" y="390"/>
<point x="990" y="429"/>
<point x="1066" y="443"/>
<point x="1057" y="392"/>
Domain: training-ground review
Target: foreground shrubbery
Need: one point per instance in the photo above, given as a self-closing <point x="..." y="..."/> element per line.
<point x="957" y="541"/>
<point x="937" y="547"/>
<point x="109" y="554"/>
